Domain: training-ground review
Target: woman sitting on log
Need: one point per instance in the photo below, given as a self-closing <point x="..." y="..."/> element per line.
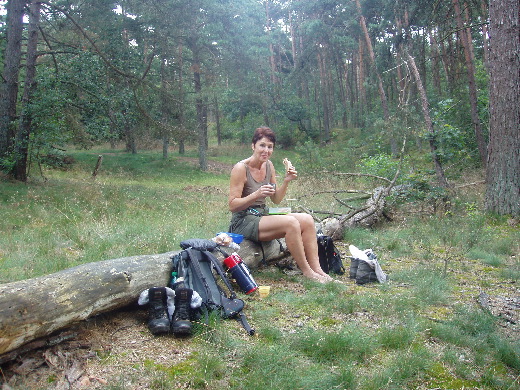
<point x="252" y="181"/>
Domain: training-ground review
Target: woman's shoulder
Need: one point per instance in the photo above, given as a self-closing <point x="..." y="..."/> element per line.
<point x="240" y="166"/>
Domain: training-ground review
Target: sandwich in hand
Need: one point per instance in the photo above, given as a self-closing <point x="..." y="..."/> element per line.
<point x="288" y="165"/>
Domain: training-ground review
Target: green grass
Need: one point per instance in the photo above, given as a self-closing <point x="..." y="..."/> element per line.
<point x="420" y="330"/>
<point x="71" y="219"/>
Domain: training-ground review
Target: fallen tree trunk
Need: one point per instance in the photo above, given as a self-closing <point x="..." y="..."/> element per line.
<point x="366" y="216"/>
<point x="36" y="308"/>
<point x="253" y="253"/>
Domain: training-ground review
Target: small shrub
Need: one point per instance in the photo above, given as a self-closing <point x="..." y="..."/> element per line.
<point x="380" y="165"/>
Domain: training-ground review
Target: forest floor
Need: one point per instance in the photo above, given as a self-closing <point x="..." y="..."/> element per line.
<point x="108" y="348"/>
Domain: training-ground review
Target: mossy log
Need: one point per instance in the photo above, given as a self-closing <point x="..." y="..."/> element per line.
<point x="36" y="308"/>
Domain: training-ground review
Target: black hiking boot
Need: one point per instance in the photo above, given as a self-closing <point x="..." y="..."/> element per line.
<point x="181" y="324"/>
<point x="158" y="322"/>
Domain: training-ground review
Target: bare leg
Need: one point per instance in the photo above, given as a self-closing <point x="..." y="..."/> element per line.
<point x="310" y="244"/>
<point x="288" y="227"/>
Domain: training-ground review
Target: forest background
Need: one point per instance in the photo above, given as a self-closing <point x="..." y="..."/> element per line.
<point x="107" y="71"/>
<point x="345" y="85"/>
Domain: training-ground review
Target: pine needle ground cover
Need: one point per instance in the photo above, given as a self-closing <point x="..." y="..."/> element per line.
<point x="447" y="318"/>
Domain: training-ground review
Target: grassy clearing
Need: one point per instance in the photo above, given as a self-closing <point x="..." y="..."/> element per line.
<point x="422" y="330"/>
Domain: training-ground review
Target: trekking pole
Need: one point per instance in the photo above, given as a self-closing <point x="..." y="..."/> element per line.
<point x="243" y="320"/>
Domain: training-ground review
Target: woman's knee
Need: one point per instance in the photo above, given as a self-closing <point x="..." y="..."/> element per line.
<point x="306" y="221"/>
<point x="292" y="224"/>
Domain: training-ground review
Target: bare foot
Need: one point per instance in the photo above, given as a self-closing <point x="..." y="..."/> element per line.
<point x="316" y="276"/>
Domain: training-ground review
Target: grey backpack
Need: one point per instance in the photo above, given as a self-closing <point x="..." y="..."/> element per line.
<point x="198" y="265"/>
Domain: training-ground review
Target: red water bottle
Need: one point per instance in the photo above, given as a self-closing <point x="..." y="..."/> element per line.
<point x="240" y="273"/>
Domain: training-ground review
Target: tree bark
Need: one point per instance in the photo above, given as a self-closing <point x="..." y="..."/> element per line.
<point x="9" y="86"/>
<point x="182" y="124"/>
<point x="503" y="169"/>
<point x="218" y="126"/>
<point x="485" y="34"/>
<point x="272" y="57"/>
<point x="165" y="103"/>
<point x="24" y="130"/>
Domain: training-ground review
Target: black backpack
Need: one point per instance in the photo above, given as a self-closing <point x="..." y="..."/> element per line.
<point x="196" y="264"/>
<point x="330" y="260"/>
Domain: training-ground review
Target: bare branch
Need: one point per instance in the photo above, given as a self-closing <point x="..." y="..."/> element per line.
<point x="335" y="192"/>
<point x="471" y="184"/>
<point x="401" y="159"/>
<point x="359" y="175"/>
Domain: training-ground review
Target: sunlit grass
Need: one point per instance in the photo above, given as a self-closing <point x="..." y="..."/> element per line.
<point x="146" y="207"/>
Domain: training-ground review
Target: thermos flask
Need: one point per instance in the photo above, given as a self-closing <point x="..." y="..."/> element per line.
<point x="240" y="273"/>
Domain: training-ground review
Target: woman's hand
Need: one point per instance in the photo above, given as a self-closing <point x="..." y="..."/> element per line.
<point x="290" y="171"/>
<point x="267" y="190"/>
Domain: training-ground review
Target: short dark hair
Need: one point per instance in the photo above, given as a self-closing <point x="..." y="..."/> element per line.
<point x="262" y="132"/>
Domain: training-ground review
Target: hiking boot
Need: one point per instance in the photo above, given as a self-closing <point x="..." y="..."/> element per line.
<point x="181" y="324"/>
<point x="158" y="311"/>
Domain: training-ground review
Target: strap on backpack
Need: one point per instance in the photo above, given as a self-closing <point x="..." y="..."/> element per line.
<point x="221" y="273"/>
<point x="231" y="305"/>
<point x="239" y="315"/>
<point x="264" y="260"/>
<point x="196" y="267"/>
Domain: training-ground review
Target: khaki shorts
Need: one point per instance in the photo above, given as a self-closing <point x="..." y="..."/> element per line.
<point x="246" y="222"/>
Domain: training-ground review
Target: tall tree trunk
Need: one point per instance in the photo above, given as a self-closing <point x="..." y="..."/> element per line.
<point x="485" y="34"/>
<point x="447" y="61"/>
<point x="441" y="58"/>
<point x="324" y="92"/>
<point x="465" y="35"/>
<point x="441" y="178"/>
<point x="199" y="106"/>
<point x="341" y="69"/>
<point x="435" y="64"/>
<point x="368" y="41"/>
<point x="182" y="125"/>
<point x="293" y="41"/>
<point x="272" y="58"/>
<point x="131" y="145"/>
<point x="24" y="130"/>
<point x="362" y="94"/>
<point x="165" y="106"/>
<point x="503" y="169"/>
<point x="304" y="86"/>
<point x="217" y="120"/>
<point x="9" y="85"/>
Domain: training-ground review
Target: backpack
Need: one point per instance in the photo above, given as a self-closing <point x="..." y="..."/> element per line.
<point x="196" y="264"/>
<point x="364" y="266"/>
<point x="330" y="260"/>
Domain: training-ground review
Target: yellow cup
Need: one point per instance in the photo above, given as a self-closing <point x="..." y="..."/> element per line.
<point x="264" y="291"/>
